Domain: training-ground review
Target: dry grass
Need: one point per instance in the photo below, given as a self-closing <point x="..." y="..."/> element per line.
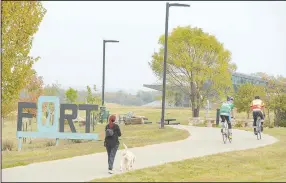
<point x="256" y="165"/>
<point x="44" y="150"/>
<point x="7" y="145"/>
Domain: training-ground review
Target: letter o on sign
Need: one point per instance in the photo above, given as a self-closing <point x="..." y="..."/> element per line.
<point x="47" y="127"/>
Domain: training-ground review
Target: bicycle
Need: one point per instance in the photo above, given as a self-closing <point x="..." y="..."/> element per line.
<point x="258" y="128"/>
<point x="225" y="132"/>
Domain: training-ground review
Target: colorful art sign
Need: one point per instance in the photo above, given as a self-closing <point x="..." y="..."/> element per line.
<point x="54" y="129"/>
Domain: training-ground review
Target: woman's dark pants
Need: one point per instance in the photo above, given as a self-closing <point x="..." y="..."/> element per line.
<point x="111" y="152"/>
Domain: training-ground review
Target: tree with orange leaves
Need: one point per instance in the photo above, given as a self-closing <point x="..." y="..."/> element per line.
<point x="33" y="91"/>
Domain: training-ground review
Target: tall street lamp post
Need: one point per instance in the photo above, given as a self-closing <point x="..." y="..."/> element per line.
<point x="168" y="5"/>
<point x="103" y="67"/>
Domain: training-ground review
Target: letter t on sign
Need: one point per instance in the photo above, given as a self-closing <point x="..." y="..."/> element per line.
<point x="88" y="108"/>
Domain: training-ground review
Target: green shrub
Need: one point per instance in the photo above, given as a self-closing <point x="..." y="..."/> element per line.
<point x="239" y="124"/>
<point x="271" y="126"/>
<point x="50" y="143"/>
<point x="268" y="124"/>
<point x="205" y="123"/>
<point x="76" y="141"/>
<point x="282" y="123"/>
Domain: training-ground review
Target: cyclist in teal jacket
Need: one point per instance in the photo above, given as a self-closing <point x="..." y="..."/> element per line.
<point x="226" y="111"/>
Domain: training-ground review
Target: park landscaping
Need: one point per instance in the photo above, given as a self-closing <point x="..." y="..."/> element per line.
<point x="261" y="164"/>
<point x="45" y="150"/>
<point x="40" y="150"/>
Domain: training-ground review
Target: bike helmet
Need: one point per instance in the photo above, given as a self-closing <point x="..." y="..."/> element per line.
<point x="229" y="98"/>
<point x="257" y="97"/>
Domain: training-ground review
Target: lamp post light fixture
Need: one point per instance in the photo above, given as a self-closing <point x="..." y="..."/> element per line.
<point x="103" y="67"/>
<point x="168" y="5"/>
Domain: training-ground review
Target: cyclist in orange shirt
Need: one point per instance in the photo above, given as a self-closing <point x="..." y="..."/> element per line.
<point x="257" y="106"/>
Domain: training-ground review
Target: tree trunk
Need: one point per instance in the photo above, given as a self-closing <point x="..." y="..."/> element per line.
<point x="198" y="104"/>
<point x="196" y="112"/>
<point x="275" y="118"/>
<point x="195" y="108"/>
<point x="193" y="97"/>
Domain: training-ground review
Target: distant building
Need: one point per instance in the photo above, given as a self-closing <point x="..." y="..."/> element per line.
<point x="237" y="80"/>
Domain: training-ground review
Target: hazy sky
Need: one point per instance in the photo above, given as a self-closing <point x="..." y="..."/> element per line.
<point x="69" y="40"/>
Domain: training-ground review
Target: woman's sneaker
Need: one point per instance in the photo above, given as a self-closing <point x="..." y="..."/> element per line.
<point x="110" y="171"/>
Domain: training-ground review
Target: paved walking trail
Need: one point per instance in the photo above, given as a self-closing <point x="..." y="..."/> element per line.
<point x="201" y="142"/>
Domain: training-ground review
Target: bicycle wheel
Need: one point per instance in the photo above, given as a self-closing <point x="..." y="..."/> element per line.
<point x="224" y="137"/>
<point x="228" y="133"/>
<point x="258" y="128"/>
<point x="259" y="136"/>
<point x="229" y="139"/>
<point x="224" y="133"/>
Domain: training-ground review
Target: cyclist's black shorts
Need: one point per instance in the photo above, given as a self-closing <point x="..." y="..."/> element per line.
<point x="255" y="115"/>
<point x="225" y="118"/>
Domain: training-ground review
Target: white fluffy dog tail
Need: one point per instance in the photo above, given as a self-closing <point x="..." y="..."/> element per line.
<point x="125" y="146"/>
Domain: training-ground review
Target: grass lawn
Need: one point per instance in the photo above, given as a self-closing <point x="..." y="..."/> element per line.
<point x="41" y="150"/>
<point x="262" y="164"/>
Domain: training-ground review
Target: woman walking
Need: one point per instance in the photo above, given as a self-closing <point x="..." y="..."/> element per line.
<point x="111" y="142"/>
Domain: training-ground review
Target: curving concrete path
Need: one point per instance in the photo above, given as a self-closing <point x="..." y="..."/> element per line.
<point x="202" y="141"/>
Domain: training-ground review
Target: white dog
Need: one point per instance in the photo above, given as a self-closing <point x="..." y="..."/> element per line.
<point x="128" y="159"/>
